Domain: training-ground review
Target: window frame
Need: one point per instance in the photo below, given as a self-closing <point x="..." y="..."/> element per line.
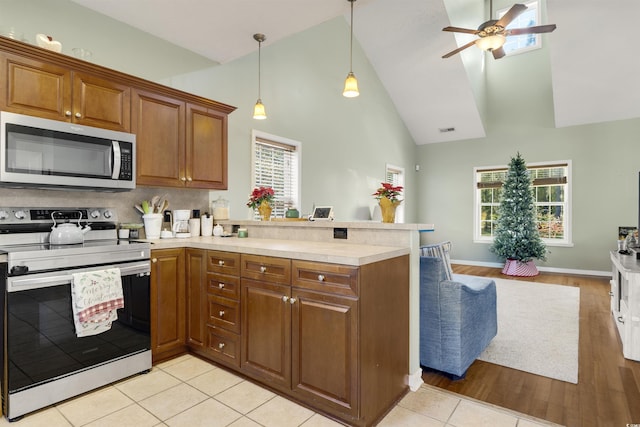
<point x="566" y="241"/>
<point x="259" y="137"/>
<point x="532" y="4"/>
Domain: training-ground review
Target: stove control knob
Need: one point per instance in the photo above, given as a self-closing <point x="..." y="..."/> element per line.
<point x="107" y="214"/>
<point x="18" y="270"/>
<point x="20" y="215"/>
<point x="94" y="214"/>
<point x="4" y="215"/>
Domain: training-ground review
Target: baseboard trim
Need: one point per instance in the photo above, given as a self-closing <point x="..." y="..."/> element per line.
<point x="415" y="380"/>
<point x="547" y="269"/>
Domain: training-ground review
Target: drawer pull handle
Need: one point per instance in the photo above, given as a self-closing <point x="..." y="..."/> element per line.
<point x="610" y="293"/>
<point x="621" y="319"/>
<point x="221" y="263"/>
<point x="292" y="300"/>
<point x="321" y="277"/>
<point x="263" y="269"/>
<point x="221" y="285"/>
<point x="221" y="345"/>
<point x="285" y="298"/>
<point x="221" y="313"/>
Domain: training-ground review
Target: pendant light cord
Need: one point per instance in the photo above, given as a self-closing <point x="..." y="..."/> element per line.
<point x="259" y="69"/>
<point x="351" y="40"/>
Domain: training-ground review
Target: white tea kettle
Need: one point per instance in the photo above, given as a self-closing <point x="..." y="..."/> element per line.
<point x="67" y="233"/>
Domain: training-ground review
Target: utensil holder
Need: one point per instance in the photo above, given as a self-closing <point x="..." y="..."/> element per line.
<point x="152" y="225"/>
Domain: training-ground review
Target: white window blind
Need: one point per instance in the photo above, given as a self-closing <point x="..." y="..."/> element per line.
<point x="276" y="164"/>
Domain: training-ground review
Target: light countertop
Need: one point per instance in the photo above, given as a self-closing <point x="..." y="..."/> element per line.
<point x="331" y="252"/>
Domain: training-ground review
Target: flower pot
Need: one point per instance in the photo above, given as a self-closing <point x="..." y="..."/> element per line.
<point x="513" y="267"/>
<point x="388" y="209"/>
<point x="265" y="211"/>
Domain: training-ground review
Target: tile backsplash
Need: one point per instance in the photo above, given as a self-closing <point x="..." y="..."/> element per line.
<point x="123" y="203"/>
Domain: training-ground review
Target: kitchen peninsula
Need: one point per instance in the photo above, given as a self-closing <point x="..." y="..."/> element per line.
<point x="323" y="321"/>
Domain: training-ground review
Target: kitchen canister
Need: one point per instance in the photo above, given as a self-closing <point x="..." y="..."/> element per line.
<point x="206" y="225"/>
<point x="152" y="225"/>
<point x="218" y="230"/>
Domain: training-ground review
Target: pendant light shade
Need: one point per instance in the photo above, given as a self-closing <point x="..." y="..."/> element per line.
<point x="259" y="112"/>
<point x="351" y="83"/>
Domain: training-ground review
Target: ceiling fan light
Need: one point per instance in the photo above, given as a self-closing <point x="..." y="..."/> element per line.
<point x="259" y="112"/>
<point x="490" y="43"/>
<point x="350" y="86"/>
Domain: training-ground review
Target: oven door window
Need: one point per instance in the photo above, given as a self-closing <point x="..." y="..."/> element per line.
<point x="42" y="343"/>
<point x="43" y="152"/>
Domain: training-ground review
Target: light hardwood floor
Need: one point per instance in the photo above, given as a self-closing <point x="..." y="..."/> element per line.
<point x="608" y="389"/>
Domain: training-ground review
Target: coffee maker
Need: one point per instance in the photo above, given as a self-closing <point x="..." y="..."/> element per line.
<point x="181" y="222"/>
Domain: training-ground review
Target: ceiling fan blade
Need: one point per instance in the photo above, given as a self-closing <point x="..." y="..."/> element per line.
<point x="531" y="30"/>
<point x="498" y="53"/>
<point x="460" y="49"/>
<point x="511" y="14"/>
<point x="460" y="30"/>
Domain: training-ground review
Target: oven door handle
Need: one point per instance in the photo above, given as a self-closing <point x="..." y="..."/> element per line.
<point x="45" y="280"/>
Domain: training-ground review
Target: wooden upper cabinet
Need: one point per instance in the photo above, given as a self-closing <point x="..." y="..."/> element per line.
<point x="35" y="87"/>
<point x="56" y="92"/>
<point x="206" y="155"/>
<point x="158" y="123"/>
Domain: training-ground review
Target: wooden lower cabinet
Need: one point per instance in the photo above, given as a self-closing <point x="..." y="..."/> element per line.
<point x="168" y="294"/>
<point x="196" y="276"/>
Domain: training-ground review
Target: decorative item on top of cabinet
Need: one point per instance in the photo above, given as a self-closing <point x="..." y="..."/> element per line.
<point x="168" y="303"/>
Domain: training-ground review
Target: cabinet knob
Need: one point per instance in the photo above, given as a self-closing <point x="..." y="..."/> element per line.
<point x="154" y="260"/>
<point x="221" y="263"/>
<point x="285" y="298"/>
<point x="78" y="115"/>
<point x="183" y="179"/>
<point x="321" y="277"/>
<point x="67" y="113"/>
<point x="221" y="345"/>
<point x="189" y="179"/>
<point x="263" y="269"/>
<point x="221" y="313"/>
<point x="292" y="300"/>
<point x="221" y="285"/>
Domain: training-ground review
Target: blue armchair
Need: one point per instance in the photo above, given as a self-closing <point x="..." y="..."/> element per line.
<point x="458" y="316"/>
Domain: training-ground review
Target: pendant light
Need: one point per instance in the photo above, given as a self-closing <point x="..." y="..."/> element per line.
<point x="351" y="83"/>
<point x="259" y="112"/>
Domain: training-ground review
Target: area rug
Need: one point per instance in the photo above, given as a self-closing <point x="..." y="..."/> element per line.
<point x="538" y="329"/>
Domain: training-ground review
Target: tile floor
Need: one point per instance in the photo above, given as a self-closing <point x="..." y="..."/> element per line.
<point x="190" y="392"/>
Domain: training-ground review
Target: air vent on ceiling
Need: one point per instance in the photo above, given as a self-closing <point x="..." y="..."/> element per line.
<point x="445" y="130"/>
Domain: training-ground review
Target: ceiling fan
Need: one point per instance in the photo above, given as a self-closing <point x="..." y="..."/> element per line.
<point x="494" y="32"/>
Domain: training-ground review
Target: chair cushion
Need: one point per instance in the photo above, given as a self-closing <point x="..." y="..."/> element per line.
<point x="440" y="250"/>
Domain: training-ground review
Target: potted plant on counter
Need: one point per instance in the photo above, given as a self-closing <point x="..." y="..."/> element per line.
<point x="387" y="196"/>
<point x="261" y="198"/>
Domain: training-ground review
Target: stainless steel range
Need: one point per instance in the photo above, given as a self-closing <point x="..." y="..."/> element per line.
<point x="44" y="359"/>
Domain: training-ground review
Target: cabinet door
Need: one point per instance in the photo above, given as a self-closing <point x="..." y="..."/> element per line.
<point x="158" y="122"/>
<point x="167" y="302"/>
<point x="266" y="332"/>
<point x="206" y="148"/>
<point x="196" y="297"/>
<point x="101" y="103"/>
<point x="324" y="343"/>
<point x="35" y="88"/>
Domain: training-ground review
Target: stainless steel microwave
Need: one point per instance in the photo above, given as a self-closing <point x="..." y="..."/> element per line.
<point x="43" y="153"/>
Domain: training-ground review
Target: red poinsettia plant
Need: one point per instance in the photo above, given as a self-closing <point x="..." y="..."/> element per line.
<point x="389" y="191"/>
<point x="260" y="194"/>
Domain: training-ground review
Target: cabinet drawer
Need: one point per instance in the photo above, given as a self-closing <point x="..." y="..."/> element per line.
<point x="223" y="262"/>
<point x="332" y="278"/>
<point x="266" y="269"/>
<point x="223" y="345"/>
<point x="223" y="285"/>
<point x="224" y="313"/>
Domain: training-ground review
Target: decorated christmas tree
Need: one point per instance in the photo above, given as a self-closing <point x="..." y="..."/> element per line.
<point x="517" y="237"/>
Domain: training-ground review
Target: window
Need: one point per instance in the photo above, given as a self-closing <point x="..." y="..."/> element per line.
<point x="395" y="175"/>
<point x="528" y="18"/>
<point x="551" y="186"/>
<point x="276" y="164"/>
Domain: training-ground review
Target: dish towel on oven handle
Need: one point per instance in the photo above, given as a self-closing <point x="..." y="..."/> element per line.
<point x="95" y="297"/>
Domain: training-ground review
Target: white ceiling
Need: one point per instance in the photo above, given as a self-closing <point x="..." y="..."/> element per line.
<point x="404" y="41"/>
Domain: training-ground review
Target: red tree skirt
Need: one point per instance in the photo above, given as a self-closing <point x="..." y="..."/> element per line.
<point x="514" y="267"/>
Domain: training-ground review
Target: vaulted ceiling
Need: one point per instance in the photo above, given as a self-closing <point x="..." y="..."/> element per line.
<point x="594" y="66"/>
